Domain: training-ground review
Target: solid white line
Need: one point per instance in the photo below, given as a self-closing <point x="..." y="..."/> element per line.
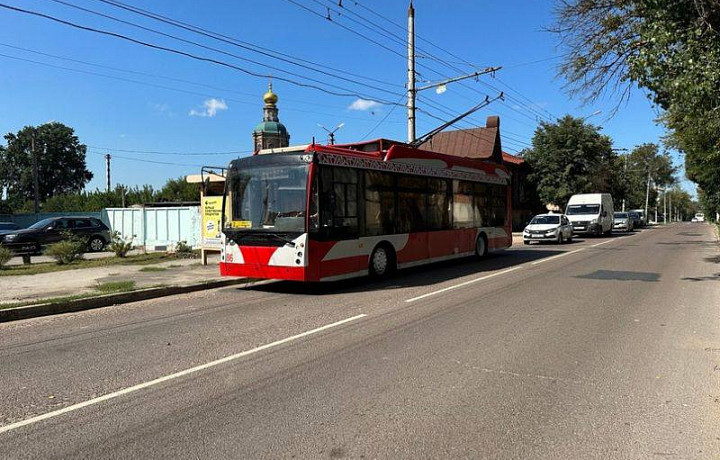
<point x="141" y="386"/>
<point x="557" y="256"/>
<point x="462" y="284"/>
<point x="604" y="242"/>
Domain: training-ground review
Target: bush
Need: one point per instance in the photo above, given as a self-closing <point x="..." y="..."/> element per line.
<point x="184" y="250"/>
<point x="67" y="251"/>
<point x="120" y="246"/>
<point x="5" y="256"/>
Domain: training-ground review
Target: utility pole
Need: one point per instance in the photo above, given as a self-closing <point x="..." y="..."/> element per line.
<point x="107" y="172"/>
<point x="647" y="197"/>
<point x="411" y="74"/>
<point x="411" y="89"/>
<point x="36" y="178"/>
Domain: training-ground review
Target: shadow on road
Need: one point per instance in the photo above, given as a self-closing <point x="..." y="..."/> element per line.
<point x="411" y="277"/>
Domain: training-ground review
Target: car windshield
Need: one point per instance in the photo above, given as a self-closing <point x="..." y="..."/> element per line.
<point x="269" y="198"/>
<point x="41" y="224"/>
<point x="621" y="215"/>
<point x="575" y="209"/>
<point x="541" y="220"/>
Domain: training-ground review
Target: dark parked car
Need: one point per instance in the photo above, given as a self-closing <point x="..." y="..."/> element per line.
<point x="54" y="229"/>
<point x="8" y="227"/>
<point x="636" y="218"/>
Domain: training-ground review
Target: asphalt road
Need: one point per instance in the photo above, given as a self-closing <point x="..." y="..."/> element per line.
<point x="605" y="348"/>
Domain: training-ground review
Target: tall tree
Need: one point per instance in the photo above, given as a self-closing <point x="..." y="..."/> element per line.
<point x="646" y="164"/>
<point x="569" y="157"/>
<point x="60" y="161"/>
<point x="669" y="47"/>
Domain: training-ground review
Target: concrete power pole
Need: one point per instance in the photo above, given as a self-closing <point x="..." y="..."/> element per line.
<point x="107" y="172"/>
<point x="411" y="74"/>
<point x="647" y="198"/>
<point x="36" y="173"/>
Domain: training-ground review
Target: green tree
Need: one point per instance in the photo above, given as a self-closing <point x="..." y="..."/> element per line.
<point x="178" y="190"/>
<point x="569" y="157"/>
<point x="60" y="157"/>
<point x="670" y="48"/>
<point x="644" y="163"/>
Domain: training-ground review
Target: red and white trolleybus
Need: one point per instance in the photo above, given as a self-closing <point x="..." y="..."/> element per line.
<point x="324" y="213"/>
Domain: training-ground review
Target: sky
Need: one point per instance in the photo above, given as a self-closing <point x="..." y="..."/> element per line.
<point x="161" y="114"/>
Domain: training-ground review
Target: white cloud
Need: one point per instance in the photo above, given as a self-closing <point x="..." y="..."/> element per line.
<point x="210" y="108"/>
<point x="363" y="104"/>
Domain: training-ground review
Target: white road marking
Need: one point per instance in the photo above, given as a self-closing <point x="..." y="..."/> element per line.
<point x="141" y="386"/>
<point x="557" y="256"/>
<point x="455" y="286"/>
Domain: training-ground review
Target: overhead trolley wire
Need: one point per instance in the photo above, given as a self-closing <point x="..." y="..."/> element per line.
<point x="226" y="53"/>
<point x="284" y="57"/>
<point x="349" y="93"/>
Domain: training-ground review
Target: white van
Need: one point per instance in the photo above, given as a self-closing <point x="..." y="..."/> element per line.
<point x="591" y="213"/>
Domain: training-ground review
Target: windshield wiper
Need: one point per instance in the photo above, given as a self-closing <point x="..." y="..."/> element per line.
<point x="282" y="238"/>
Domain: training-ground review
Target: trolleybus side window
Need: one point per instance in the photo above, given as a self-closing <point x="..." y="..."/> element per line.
<point x="438" y="204"/>
<point x="411" y="191"/>
<point x="339" y="202"/>
<point x="379" y="203"/>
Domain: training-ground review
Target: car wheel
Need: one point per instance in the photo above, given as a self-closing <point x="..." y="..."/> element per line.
<point x="96" y="244"/>
<point x="382" y="262"/>
<point x="526" y="242"/>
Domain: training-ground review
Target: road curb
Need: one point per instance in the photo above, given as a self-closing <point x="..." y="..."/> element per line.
<point x="45" y="309"/>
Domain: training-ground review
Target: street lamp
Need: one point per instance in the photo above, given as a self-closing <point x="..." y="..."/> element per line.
<point x="331" y="133"/>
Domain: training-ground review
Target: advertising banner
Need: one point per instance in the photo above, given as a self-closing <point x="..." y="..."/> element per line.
<point x="212" y="213"/>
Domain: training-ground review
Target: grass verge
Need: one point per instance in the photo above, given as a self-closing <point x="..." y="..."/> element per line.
<point x="49" y="267"/>
<point x="113" y="287"/>
<point x="153" y="269"/>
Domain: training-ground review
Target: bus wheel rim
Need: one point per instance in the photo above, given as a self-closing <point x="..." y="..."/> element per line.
<point x="480" y="246"/>
<point x="380" y="261"/>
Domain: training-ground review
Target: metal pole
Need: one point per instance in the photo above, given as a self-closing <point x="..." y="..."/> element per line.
<point x="36" y="178"/>
<point x="107" y="172"/>
<point x="665" y="206"/>
<point x="411" y="74"/>
<point x="647" y="197"/>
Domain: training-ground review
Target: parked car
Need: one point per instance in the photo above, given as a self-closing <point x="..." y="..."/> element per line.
<point x="8" y="227"/>
<point x="54" y="229"/>
<point x="623" y="221"/>
<point x="548" y="227"/>
<point x="643" y="217"/>
<point x="636" y="218"/>
<point x="591" y="213"/>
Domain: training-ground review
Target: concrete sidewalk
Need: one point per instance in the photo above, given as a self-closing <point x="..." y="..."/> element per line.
<point x="88" y="255"/>
<point x="28" y="288"/>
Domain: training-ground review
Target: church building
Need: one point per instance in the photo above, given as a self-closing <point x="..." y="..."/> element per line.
<point x="270" y="133"/>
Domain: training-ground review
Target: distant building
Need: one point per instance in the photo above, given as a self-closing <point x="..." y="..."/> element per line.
<point x="481" y="143"/>
<point x="270" y="133"/>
